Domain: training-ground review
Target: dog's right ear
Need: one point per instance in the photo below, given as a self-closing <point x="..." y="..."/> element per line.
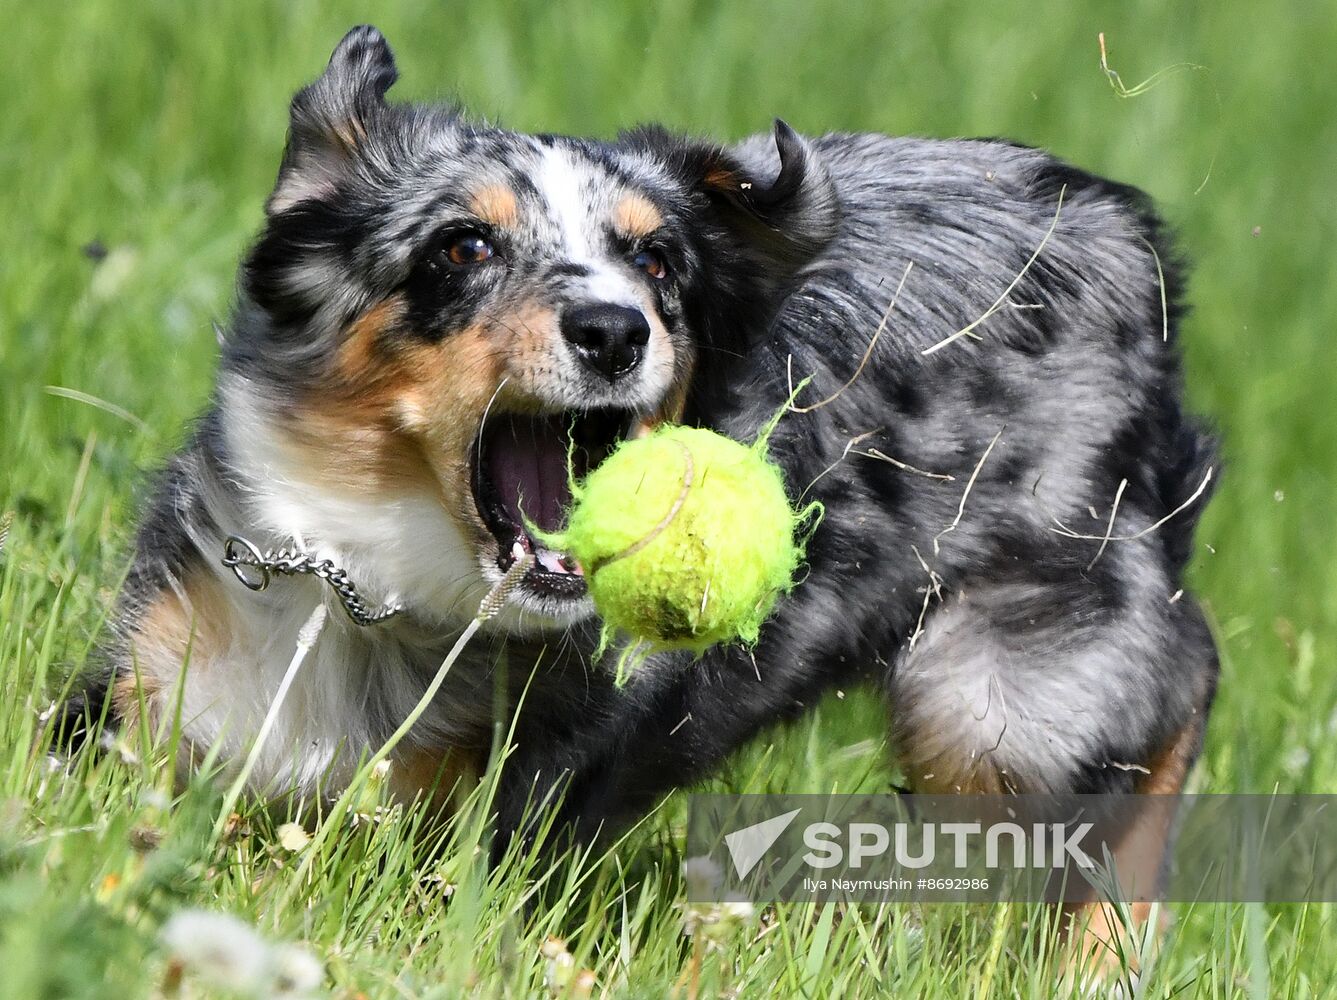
<point x="332" y="119"/>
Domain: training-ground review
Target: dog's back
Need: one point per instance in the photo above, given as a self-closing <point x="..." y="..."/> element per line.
<point x="995" y="430"/>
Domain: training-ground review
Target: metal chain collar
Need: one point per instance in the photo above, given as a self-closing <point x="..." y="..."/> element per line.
<point x="242" y="557"/>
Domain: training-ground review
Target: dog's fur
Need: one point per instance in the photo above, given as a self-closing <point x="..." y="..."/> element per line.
<point x="962" y="563"/>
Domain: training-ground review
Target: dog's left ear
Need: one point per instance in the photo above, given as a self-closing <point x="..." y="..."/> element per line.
<point x="332" y="119"/>
<point x="773" y="190"/>
<point x="782" y="184"/>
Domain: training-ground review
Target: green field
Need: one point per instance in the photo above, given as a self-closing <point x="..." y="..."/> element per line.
<point x="152" y="131"/>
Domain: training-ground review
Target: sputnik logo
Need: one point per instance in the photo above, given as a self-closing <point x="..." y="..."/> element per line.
<point x="748" y="845"/>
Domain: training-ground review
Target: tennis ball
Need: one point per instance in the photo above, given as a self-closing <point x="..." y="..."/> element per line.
<point x="686" y="538"/>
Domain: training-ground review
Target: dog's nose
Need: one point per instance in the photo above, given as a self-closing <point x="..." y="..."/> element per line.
<point x="609" y="339"/>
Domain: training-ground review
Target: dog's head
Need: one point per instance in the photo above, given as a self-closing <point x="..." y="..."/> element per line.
<point x="439" y="306"/>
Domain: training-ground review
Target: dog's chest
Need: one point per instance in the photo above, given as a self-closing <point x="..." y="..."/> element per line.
<point x="352" y="689"/>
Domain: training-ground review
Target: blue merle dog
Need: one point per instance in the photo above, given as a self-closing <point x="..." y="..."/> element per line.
<point x="1010" y="481"/>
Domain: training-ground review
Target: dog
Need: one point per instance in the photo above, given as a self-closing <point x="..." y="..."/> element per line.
<point x="993" y="425"/>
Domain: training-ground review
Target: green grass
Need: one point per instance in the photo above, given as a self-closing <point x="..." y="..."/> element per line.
<point x="155" y="128"/>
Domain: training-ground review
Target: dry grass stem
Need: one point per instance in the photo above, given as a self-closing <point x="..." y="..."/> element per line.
<point x="1067" y="532"/>
<point x="969" y="331"/>
<point x="1109" y="528"/>
<point x="970" y="484"/>
<point x="1160" y="282"/>
<point x="101" y="404"/>
<point x="881" y="457"/>
<point x="866" y="354"/>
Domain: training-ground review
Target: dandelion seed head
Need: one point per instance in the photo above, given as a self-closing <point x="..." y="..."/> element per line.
<point x="702" y="875"/>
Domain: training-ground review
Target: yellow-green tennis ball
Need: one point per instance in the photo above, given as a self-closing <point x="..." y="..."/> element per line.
<point x="686" y="538"/>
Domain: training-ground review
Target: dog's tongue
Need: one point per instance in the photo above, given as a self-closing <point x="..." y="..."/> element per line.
<point x="527" y="466"/>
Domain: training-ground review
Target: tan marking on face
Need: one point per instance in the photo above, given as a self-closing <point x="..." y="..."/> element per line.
<point x="495" y="204"/>
<point x="670" y="411"/>
<point x="635" y="216"/>
<point x="400" y="414"/>
<point x="348" y="435"/>
<point x="360" y="364"/>
<point x="675" y="400"/>
<point x="441" y="403"/>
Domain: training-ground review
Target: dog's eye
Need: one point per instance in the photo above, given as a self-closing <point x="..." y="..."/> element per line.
<point x="652" y="263"/>
<point x="468" y="248"/>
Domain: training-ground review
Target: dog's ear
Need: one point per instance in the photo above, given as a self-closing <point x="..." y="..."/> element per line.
<point x="782" y="184"/>
<point x="774" y="190"/>
<point x="332" y="119"/>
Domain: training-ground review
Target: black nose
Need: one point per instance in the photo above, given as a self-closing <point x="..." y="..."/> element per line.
<point x="609" y="339"/>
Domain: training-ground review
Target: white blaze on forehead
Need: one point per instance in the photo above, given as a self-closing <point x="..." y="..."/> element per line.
<point x="577" y="195"/>
<point x="565" y="186"/>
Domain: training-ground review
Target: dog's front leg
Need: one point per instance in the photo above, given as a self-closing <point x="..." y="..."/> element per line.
<point x="674" y="722"/>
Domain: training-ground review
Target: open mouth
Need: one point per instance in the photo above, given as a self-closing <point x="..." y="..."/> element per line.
<point x="520" y="477"/>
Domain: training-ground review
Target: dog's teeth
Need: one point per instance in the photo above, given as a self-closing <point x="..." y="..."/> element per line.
<point x="558" y="562"/>
<point x="517" y="550"/>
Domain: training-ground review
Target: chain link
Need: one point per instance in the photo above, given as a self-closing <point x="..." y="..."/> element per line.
<point x="242" y="556"/>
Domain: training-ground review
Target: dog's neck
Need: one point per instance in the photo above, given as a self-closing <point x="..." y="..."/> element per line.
<point x="404" y="550"/>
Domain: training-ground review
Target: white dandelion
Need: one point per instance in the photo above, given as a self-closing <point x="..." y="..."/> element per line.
<point x="227" y="953"/>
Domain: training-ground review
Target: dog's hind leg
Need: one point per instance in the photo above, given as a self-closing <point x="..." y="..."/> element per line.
<point x="1025" y="688"/>
<point x="1101" y="936"/>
